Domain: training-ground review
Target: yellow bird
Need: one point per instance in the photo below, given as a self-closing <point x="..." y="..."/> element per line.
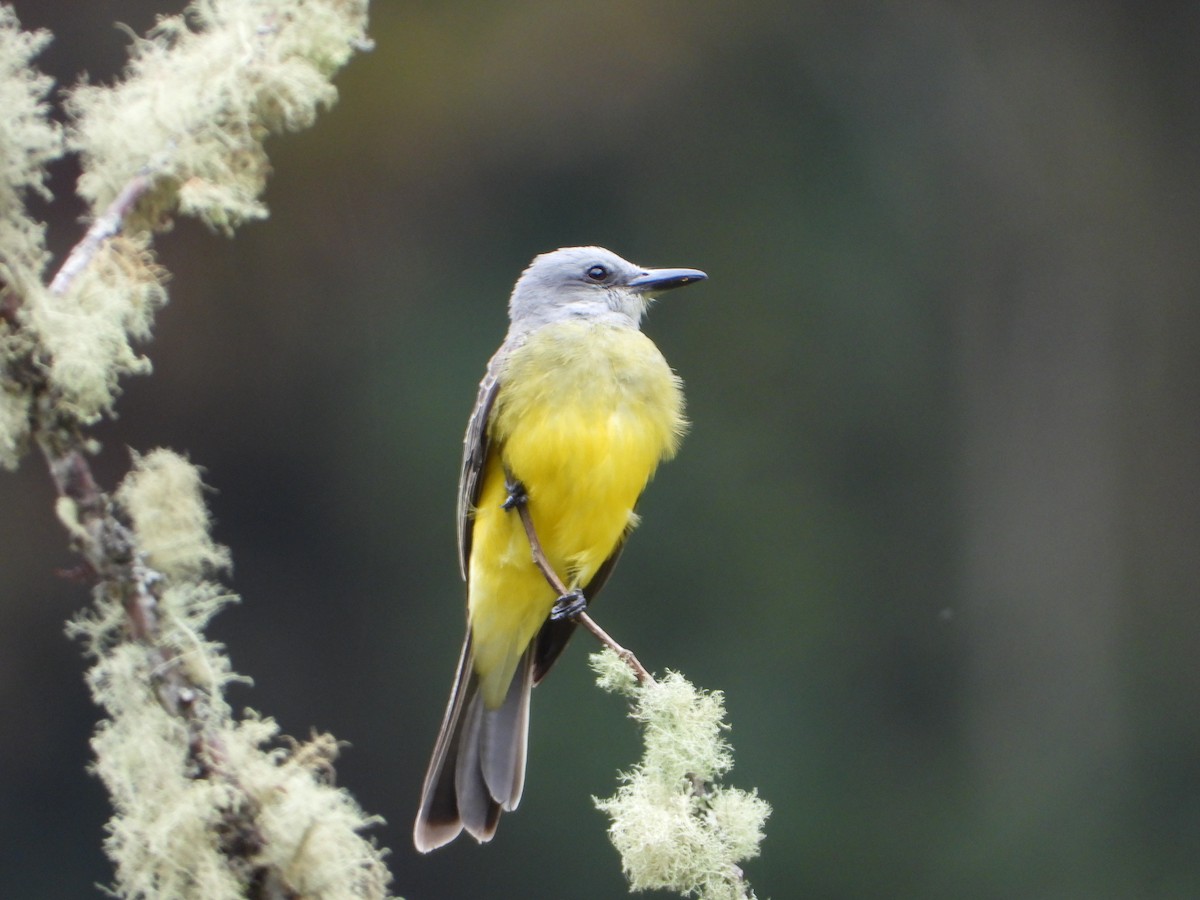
<point x="574" y="414"/>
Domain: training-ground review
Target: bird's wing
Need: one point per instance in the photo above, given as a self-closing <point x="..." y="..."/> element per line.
<point x="475" y="448"/>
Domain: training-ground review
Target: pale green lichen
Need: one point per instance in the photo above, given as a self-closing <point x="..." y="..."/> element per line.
<point x="274" y="815"/>
<point x="309" y="827"/>
<point x="206" y="804"/>
<point x="162" y="494"/>
<point x="162" y="835"/>
<point x="201" y="94"/>
<point x="88" y="333"/>
<point x="29" y="141"/>
<point x="674" y="826"/>
<point x="237" y="814"/>
<point x="14" y="423"/>
<point x="275" y="820"/>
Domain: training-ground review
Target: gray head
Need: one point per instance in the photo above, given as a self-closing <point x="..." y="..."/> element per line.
<point x="591" y="283"/>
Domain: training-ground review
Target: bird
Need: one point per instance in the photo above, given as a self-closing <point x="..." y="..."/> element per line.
<point x="574" y="414"/>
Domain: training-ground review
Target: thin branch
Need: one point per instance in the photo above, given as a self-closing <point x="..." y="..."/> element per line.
<point x="543" y="564"/>
<point x="627" y="656"/>
<point x="110" y="550"/>
<point x="108" y="225"/>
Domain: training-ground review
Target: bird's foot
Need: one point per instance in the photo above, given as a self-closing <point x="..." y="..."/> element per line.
<point x="568" y="606"/>
<point x="517" y="495"/>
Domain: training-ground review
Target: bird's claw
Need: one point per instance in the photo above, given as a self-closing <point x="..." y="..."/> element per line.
<point x="568" y="606"/>
<point x="517" y="495"/>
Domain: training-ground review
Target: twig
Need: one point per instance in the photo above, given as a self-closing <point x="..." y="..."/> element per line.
<point x="627" y="656"/>
<point x="110" y="550"/>
<point x="107" y="225"/>
<point x="543" y="564"/>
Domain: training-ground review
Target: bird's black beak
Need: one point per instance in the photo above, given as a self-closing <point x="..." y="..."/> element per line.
<point x="663" y="279"/>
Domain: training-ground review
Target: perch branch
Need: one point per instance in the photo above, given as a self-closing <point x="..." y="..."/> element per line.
<point x="543" y="564"/>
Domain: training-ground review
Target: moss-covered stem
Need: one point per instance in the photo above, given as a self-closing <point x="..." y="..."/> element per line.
<point x="110" y="550"/>
<point x="207" y="805"/>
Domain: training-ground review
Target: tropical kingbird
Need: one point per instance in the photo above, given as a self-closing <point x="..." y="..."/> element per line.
<point x="575" y="412"/>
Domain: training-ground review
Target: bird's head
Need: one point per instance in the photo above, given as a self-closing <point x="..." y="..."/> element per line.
<point x="588" y="282"/>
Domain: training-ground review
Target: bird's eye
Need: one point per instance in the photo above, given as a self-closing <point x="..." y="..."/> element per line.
<point x="597" y="273"/>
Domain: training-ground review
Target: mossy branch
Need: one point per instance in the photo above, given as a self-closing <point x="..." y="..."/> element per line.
<point x="207" y="805"/>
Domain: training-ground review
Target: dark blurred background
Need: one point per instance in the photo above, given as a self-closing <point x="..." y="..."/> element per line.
<point x="934" y="532"/>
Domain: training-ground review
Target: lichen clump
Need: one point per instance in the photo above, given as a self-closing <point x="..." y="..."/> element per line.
<point x="675" y="827"/>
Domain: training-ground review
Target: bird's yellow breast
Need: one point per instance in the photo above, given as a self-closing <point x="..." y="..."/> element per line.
<point x="584" y="414"/>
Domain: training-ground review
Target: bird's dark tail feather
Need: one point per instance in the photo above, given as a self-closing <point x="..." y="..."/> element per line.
<point x="478" y="764"/>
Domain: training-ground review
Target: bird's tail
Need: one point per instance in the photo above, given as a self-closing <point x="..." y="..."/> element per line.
<point x="478" y="764"/>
